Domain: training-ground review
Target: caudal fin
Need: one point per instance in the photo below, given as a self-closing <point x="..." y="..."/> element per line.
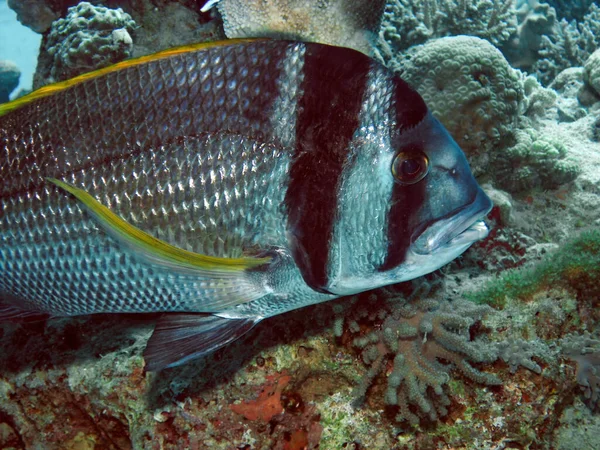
<point x="178" y="338"/>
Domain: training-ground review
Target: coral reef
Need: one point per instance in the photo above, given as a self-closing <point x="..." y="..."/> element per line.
<point x="424" y="357"/>
<point x="336" y="22"/>
<point x="90" y="37"/>
<point x="470" y="87"/>
<point x="534" y="162"/>
<point x="407" y="23"/>
<point x="9" y="79"/>
<point x="568" y="46"/>
<point x="426" y="339"/>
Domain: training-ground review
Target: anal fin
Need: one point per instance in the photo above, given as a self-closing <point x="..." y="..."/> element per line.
<point x="178" y="338"/>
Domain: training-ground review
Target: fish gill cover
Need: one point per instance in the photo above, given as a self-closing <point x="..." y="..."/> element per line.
<point x="499" y="349"/>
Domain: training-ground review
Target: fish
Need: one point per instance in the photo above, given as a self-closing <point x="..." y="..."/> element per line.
<point x="222" y="184"/>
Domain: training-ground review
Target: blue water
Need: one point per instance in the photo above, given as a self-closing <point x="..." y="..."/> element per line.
<point x="18" y="44"/>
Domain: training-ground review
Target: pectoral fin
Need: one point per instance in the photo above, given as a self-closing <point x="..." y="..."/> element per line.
<point x="179" y="338"/>
<point x="228" y="283"/>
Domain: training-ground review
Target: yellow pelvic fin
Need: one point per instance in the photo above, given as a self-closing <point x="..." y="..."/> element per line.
<point x="154" y="248"/>
<point x="54" y="88"/>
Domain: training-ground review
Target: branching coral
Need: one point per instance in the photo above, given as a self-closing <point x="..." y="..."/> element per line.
<point x="571" y="9"/>
<point x="407" y="23"/>
<point x="90" y="37"/>
<point x="569" y="46"/>
<point x="426" y="339"/>
<point x="534" y="162"/>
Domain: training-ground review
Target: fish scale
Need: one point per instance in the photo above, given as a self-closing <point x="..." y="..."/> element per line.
<point x="225" y="183"/>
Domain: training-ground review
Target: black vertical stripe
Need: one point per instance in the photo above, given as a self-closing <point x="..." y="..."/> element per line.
<point x="328" y="115"/>
<point x="410" y="110"/>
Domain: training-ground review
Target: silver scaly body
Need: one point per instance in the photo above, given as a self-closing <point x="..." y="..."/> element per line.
<point x="247" y="149"/>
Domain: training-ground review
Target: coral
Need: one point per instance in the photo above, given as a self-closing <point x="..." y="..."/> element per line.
<point x="569" y="46"/>
<point x="470" y="87"/>
<point x="9" y="79"/>
<point x="534" y="20"/>
<point x="337" y="22"/>
<point x="537" y="99"/>
<point x="518" y="352"/>
<point x="571" y="9"/>
<point x="35" y="14"/>
<point x="90" y="37"/>
<point x="407" y="23"/>
<point x="426" y="339"/>
<point x="592" y="71"/>
<point x="534" y="162"/>
<point x="585" y="351"/>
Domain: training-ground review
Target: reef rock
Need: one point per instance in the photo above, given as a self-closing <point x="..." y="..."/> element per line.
<point x="34" y="14"/>
<point x="336" y="22"/>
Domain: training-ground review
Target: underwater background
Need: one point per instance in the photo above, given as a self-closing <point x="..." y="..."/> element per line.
<point x="499" y="349"/>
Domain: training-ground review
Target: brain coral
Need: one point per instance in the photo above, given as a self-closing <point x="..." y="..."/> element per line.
<point x="90" y="37"/>
<point x="351" y="24"/>
<point x="470" y="87"/>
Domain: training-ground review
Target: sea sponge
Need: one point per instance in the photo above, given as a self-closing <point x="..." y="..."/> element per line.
<point x="470" y="87"/>
<point x="88" y="38"/>
<point x="534" y="162"/>
<point x="352" y="24"/>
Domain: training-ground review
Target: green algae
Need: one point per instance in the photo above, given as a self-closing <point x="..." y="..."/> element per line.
<point x="574" y="266"/>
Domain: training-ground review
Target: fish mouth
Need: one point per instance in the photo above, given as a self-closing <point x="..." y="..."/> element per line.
<point x="462" y="227"/>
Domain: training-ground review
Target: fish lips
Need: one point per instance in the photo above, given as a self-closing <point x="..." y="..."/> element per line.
<point x="462" y="227"/>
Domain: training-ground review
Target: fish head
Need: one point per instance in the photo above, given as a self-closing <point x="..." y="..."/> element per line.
<point x="419" y="206"/>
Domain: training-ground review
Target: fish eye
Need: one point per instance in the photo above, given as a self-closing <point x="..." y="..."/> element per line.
<point x="410" y="168"/>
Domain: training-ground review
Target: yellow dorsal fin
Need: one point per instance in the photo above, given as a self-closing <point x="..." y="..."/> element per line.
<point x="153" y="248"/>
<point x="62" y="85"/>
